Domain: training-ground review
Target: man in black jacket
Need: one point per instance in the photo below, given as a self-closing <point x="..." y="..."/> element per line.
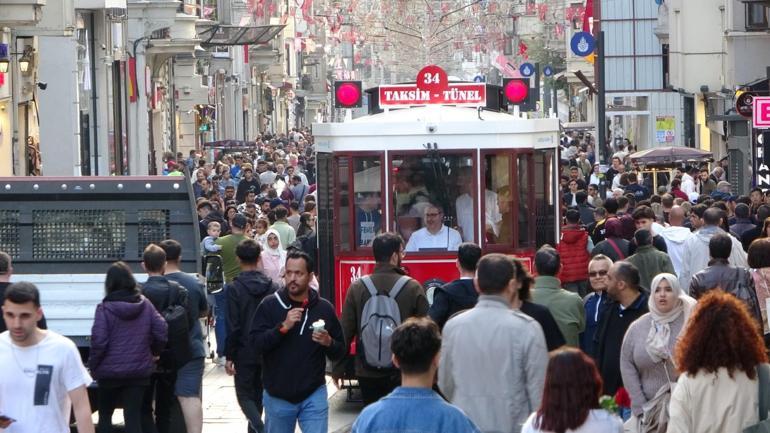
<point x="6" y="270"/>
<point x="248" y="183"/>
<point x="161" y="293"/>
<point x="459" y="294"/>
<point x="244" y="294"/>
<point x="630" y="303"/>
<point x="295" y="330"/>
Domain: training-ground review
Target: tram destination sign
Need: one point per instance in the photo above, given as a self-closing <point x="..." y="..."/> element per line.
<point x="461" y="94"/>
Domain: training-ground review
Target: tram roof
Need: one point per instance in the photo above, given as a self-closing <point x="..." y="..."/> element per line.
<point x="449" y="127"/>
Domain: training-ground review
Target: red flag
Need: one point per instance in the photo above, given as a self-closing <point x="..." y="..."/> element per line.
<point x="132" y="91"/>
<point x="522" y="48"/>
<point x="589" y="14"/>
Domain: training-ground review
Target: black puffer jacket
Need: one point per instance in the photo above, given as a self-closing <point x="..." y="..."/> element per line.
<point x="244" y="294"/>
<point x="732" y="279"/>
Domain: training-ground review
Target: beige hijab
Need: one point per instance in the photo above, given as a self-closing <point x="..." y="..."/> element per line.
<point x="660" y="332"/>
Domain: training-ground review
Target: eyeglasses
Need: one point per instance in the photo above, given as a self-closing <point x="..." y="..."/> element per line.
<point x="597" y="274"/>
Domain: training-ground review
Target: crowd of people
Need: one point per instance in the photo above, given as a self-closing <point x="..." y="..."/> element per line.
<point x="649" y="315"/>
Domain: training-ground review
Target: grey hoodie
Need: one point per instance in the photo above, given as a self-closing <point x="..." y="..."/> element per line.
<point x="696" y="257"/>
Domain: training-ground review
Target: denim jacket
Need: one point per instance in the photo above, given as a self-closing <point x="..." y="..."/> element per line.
<point x="414" y="410"/>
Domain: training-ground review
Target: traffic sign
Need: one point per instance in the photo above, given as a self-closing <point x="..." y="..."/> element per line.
<point x="527" y="69"/>
<point x="582" y="44"/>
<point x="762" y="112"/>
<point x="548" y="71"/>
<point x="479" y="79"/>
<point x="744" y="104"/>
<point x="432" y="79"/>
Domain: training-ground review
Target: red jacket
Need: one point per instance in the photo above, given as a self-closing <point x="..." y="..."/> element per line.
<point x="573" y="250"/>
<point x="678" y="193"/>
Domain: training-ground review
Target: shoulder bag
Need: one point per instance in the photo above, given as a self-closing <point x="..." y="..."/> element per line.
<point x="763" y="378"/>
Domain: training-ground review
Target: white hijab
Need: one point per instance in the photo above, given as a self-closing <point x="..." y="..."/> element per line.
<point x="278" y="251"/>
<point x="660" y="332"/>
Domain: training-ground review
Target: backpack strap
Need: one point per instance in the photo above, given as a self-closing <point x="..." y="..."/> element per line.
<point x="369" y="285"/>
<point x="400" y="283"/>
<point x="615" y="247"/>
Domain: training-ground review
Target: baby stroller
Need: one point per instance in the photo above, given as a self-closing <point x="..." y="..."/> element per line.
<point x="215" y="283"/>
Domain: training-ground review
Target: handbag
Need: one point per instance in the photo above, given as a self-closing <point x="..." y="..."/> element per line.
<point x="763" y="426"/>
<point x="655" y="411"/>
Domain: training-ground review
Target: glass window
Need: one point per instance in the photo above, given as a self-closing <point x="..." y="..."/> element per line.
<point x="523" y="184"/>
<point x="367" y="185"/>
<point x="343" y="204"/>
<point x="433" y="200"/>
<point x="498" y="200"/>
<point x="756" y="16"/>
<point x="545" y="202"/>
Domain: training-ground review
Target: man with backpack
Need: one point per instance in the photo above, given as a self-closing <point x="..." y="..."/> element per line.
<point x="374" y="306"/>
<point x="170" y="299"/>
<point x="189" y="377"/>
<point x="244" y="294"/>
<point x="295" y="330"/>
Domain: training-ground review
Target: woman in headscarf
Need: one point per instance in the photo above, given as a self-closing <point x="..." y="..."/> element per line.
<point x="646" y="354"/>
<point x="613" y="245"/>
<point x="274" y="257"/>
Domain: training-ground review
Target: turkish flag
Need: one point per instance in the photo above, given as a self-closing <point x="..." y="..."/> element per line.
<point x="588" y="15"/>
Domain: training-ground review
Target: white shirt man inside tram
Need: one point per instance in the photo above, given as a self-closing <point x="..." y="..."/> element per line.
<point x="434" y="236"/>
<point x="466" y="211"/>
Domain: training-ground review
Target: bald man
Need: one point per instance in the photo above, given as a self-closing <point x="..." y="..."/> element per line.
<point x="675" y="236"/>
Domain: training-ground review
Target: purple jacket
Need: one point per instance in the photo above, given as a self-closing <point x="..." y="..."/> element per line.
<point x="127" y="332"/>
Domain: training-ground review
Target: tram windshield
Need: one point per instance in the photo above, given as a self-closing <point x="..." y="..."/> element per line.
<point x="432" y="194"/>
<point x="500" y="199"/>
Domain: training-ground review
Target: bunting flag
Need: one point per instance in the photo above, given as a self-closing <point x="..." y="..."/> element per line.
<point x="522" y="48"/>
<point x="132" y="91"/>
<point x="542" y="10"/>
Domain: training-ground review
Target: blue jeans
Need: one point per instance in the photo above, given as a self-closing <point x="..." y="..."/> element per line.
<point x="312" y="413"/>
<point x="220" y="321"/>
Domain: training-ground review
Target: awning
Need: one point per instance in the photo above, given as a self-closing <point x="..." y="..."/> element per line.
<point x="225" y="35"/>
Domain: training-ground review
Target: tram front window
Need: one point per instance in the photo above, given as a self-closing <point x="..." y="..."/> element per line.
<point x="431" y="195"/>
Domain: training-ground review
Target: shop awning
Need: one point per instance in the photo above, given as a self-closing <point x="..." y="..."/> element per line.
<point x="226" y="35"/>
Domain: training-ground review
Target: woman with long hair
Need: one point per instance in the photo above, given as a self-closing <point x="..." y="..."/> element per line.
<point x="717" y="357"/>
<point x="759" y="262"/>
<point x="765" y="227"/>
<point x="126" y="336"/>
<point x="645" y="357"/>
<point x="571" y="398"/>
<point x="306" y="224"/>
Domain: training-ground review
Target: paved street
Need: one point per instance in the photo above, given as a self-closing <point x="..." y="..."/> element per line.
<point x="221" y="413"/>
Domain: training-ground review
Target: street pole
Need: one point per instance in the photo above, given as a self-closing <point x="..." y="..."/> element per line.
<point x="601" y="121"/>
<point x="766" y="132"/>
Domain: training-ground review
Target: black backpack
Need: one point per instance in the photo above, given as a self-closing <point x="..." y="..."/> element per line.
<point x="177" y="352"/>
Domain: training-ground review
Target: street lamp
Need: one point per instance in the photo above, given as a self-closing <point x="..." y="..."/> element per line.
<point x="24" y="61"/>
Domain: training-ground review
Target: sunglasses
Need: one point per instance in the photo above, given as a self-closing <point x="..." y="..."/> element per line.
<point x="597" y="274"/>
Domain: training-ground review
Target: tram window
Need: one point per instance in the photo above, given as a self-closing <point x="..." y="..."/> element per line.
<point x="343" y="197"/>
<point x="545" y="202"/>
<point x="442" y="180"/>
<point x="523" y="184"/>
<point x="367" y="185"/>
<point x="498" y="208"/>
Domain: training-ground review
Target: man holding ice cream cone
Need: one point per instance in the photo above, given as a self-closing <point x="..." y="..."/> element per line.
<point x="295" y="330"/>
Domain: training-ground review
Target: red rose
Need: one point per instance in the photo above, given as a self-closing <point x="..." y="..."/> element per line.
<point x="622" y="398"/>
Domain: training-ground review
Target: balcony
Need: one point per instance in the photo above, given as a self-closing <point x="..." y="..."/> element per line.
<point x="15" y="13"/>
<point x="148" y="16"/>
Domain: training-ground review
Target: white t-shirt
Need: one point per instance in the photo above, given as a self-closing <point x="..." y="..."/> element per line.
<point x="466" y="213"/>
<point x="598" y="421"/>
<point x="446" y="238"/>
<point x="56" y="358"/>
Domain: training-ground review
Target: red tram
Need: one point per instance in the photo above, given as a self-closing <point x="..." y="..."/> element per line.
<point x="488" y="176"/>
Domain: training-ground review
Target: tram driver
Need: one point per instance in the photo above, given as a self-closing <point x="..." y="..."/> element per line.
<point x="434" y="236"/>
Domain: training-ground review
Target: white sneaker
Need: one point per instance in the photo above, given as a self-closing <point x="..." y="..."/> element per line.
<point x="220" y="361"/>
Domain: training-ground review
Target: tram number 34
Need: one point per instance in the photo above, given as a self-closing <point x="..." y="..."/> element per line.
<point x="355" y="273"/>
<point x="432" y="78"/>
